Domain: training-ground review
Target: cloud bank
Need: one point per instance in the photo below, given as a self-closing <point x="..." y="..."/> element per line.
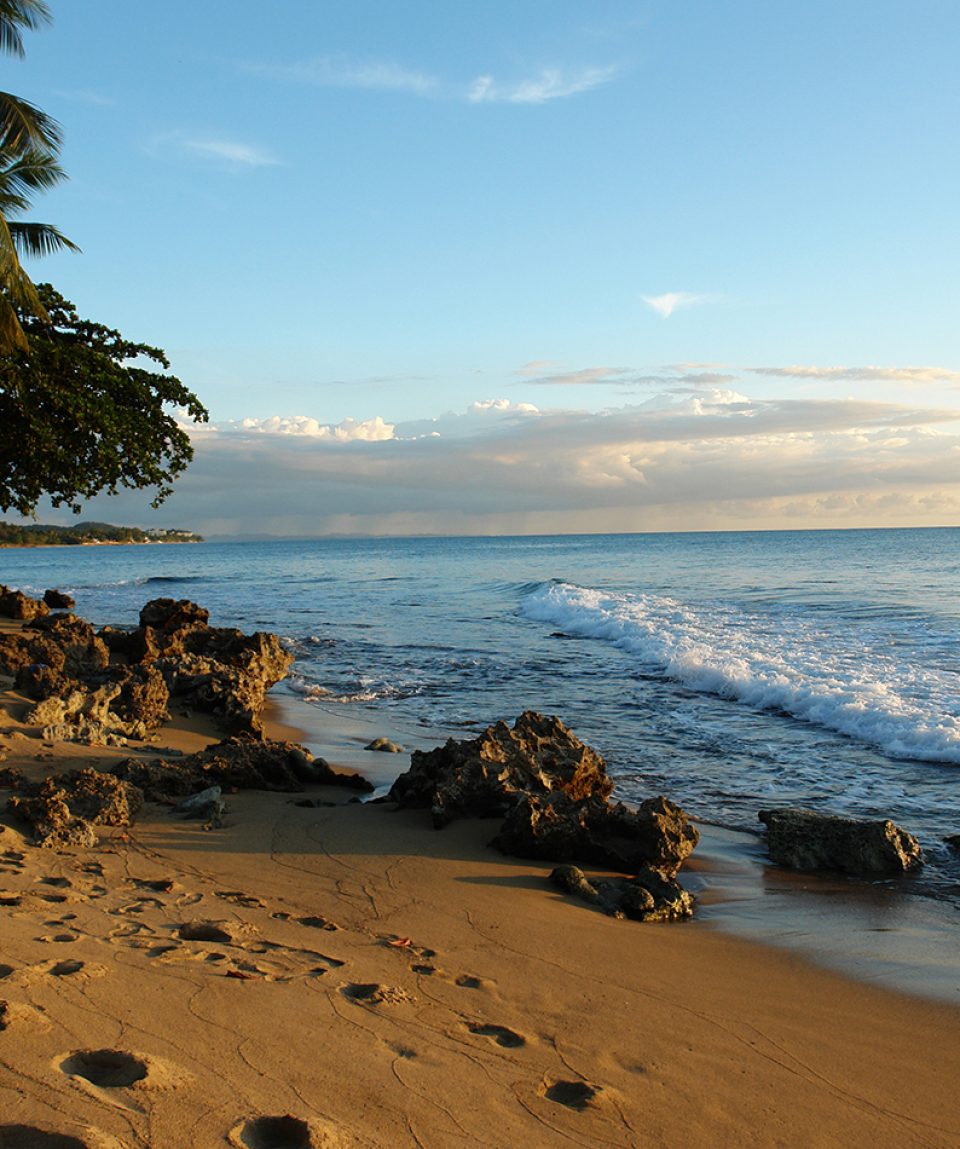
<point x="713" y="458"/>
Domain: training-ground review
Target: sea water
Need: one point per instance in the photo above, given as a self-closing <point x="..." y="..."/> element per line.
<point x="730" y="671"/>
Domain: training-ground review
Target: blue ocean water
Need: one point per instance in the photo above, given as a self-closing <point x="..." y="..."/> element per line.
<point x="731" y="671"/>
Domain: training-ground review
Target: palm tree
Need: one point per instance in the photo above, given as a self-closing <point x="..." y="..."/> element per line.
<point x="29" y="146"/>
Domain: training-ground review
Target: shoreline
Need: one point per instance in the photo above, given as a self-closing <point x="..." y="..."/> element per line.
<point x="341" y="975"/>
<point x="876" y="932"/>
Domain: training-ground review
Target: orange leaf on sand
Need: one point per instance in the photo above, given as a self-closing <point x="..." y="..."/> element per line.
<point x="400" y="943"/>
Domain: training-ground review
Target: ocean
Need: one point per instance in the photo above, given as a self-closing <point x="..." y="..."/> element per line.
<point x="730" y="671"/>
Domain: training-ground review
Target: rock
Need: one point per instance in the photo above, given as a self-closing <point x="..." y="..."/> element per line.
<point x="207" y="804"/>
<point x="10" y="777"/>
<point x="648" y="897"/>
<point x="101" y="798"/>
<point x="806" y="840"/>
<point x="15" y="604"/>
<point x="480" y="777"/>
<point x="245" y="763"/>
<point x="170" y="615"/>
<point x="56" y="806"/>
<point x="142" y="702"/>
<point x="57" y="600"/>
<point x="385" y="745"/>
<point x="226" y="673"/>
<point x="657" y="835"/>
<point x="49" y="815"/>
<point x="953" y="841"/>
<point x="63" y="644"/>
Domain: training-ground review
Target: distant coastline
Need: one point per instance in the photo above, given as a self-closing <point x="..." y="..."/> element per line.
<point x="89" y="534"/>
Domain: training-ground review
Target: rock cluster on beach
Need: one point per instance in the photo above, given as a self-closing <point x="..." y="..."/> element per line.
<point x="110" y="686"/>
<point x="101" y="686"/>
<point x="553" y="793"/>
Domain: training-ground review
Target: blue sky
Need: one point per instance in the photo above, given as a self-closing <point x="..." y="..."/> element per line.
<point x="529" y="266"/>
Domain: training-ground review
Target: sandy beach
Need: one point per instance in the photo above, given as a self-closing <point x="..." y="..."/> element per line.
<point x="339" y="974"/>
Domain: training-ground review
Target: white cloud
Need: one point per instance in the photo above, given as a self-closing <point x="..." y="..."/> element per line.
<point x="227" y="152"/>
<point x="862" y="374"/>
<point x="547" y="84"/>
<point x="340" y="71"/>
<point x="668" y="303"/>
<point x="350" y="72"/>
<point x="349" y="430"/>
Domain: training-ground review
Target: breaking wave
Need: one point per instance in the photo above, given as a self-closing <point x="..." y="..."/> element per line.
<point x="833" y="677"/>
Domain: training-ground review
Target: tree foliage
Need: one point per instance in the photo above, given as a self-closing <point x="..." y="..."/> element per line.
<point x="83" y="412"/>
<point x="29" y="149"/>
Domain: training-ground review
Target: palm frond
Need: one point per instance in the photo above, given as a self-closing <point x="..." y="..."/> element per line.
<point x="31" y="171"/>
<point x="24" y="126"/>
<point x="39" y="239"/>
<point x="16" y="15"/>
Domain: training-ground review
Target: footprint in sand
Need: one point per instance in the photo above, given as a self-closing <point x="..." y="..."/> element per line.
<point x="105" y="1068"/>
<point x="5" y="970"/>
<point x="273" y="1133"/>
<point x="369" y="993"/>
<point x="238" y="898"/>
<point x="312" y="921"/>
<point x="504" y="1037"/>
<point x="208" y="931"/>
<point x="58" y="883"/>
<point x="60" y="938"/>
<point x="573" y="1094"/>
<point x="66" y="968"/>
<point x="155" y="885"/>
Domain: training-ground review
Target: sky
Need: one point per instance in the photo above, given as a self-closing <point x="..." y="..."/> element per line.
<point x="536" y="267"/>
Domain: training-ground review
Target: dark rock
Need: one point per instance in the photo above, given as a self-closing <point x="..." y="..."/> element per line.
<point x="384" y="745"/>
<point x="15" y="604"/>
<point x="170" y="615"/>
<point x="57" y="600"/>
<point x="953" y="841"/>
<point x="11" y="778"/>
<point x="101" y="798"/>
<point x="481" y="777"/>
<point x="806" y="840"/>
<point x="244" y="763"/>
<point x="658" y="834"/>
<point x="649" y="896"/>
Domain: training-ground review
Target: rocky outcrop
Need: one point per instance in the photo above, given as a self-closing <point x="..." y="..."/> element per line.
<point x="237" y="763"/>
<point x="482" y="777"/>
<point x="553" y="794"/>
<point x="16" y="604"/>
<point x="218" y="670"/>
<point x="656" y="835"/>
<point x="63" y="811"/>
<point x="806" y="840"/>
<point x="646" y="897"/>
<point x="118" y="684"/>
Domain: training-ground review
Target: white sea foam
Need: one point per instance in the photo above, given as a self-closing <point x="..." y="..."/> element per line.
<point x="834" y="677"/>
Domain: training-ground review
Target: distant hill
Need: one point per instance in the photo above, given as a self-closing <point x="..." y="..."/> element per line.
<point x="88" y="534"/>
